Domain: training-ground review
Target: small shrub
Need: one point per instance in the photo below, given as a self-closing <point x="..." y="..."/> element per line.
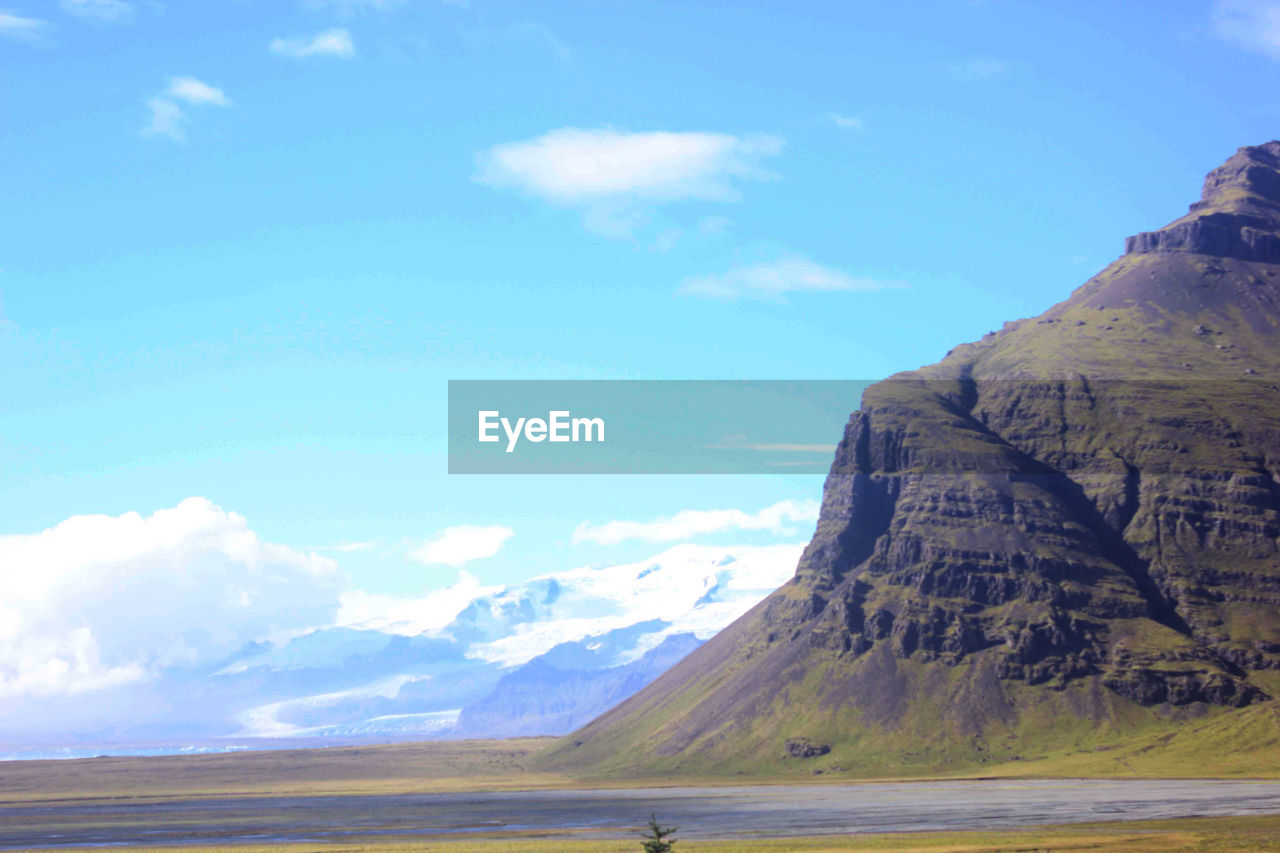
<point x="658" y="839"/>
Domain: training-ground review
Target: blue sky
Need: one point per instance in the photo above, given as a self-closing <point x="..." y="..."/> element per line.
<point x="246" y="244"/>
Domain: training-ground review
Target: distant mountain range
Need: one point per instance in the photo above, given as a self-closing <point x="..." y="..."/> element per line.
<point x="542" y="657"/>
<point x="1062" y="536"/>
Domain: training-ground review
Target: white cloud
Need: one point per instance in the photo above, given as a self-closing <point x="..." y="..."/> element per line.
<point x="849" y="122"/>
<point x="335" y="42"/>
<point x="195" y="92"/>
<point x="99" y="600"/>
<point x="617" y="176"/>
<point x="411" y="616"/>
<point x="456" y="546"/>
<point x="774" y="279"/>
<point x="979" y="69"/>
<point x="778" y="518"/>
<point x="573" y="166"/>
<point x="18" y="26"/>
<point x="1251" y="24"/>
<point x="98" y="10"/>
<point x="168" y="118"/>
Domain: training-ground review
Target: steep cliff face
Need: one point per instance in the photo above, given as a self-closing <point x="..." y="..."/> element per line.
<point x="1068" y="529"/>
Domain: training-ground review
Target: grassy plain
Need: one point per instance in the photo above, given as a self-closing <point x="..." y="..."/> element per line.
<point x="1211" y="747"/>
<point x="1235" y="744"/>
<point x="430" y="767"/>
<point x="1186" y="835"/>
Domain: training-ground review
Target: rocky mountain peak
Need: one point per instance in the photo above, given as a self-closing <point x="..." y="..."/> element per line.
<point x="1071" y="526"/>
<point x="1237" y="216"/>
<point x="1248" y="182"/>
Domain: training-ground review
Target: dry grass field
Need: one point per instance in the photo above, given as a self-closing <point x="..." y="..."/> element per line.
<point x="48" y="800"/>
<point x="1191" y="835"/>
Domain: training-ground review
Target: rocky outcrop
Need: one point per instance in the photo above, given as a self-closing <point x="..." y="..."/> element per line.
<point x="1222" y="234"/>
<point x="1235" y="217"/>
<point x="800" y="747"/>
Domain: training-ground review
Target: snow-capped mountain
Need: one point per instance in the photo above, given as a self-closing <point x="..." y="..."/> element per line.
<point x="541" y="657"/>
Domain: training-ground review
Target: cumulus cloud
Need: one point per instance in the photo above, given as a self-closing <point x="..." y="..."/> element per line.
<point x="335" y="42"/>
<point x="168" y="118"/>
<point x="457" y="546"/>
<point x="616" y="176"/>
<point x="773" y="280"/>
<point x="18" y="26"/>
<point x="98" y="601"/>
<point x="779" y="518"/>
<point x="98" y="10"/>
<point x="1251" y="24"/>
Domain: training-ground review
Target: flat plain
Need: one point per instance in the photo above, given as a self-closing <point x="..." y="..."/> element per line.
<point x="485" y="796"/>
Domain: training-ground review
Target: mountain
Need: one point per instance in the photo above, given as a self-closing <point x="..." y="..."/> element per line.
<point x="541" y="657"/>
<point x="1061" y="537"/>
<point x="556" y="692"/>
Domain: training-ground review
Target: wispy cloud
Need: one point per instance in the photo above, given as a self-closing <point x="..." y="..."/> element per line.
<point x="848" y="122"/>
<point x="780" y="518"/>
<point x="336" y="42"/>
<point x="457" y="546"/>
<point x="1251" y="24"/>
<point x="516" y="36"/>
<point x="98" y="10"/>
<point x="981" y="68"/>
<point x="166" y="120"/>
<point x="541" y="33"/>
<point x="15" y="26"/>
<point x="193" y="91"/>
<point x="168" y="117"/>
<point x="616" y="177"/>
<point x="714" y="225"/>
<point x="773" y="280"/>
